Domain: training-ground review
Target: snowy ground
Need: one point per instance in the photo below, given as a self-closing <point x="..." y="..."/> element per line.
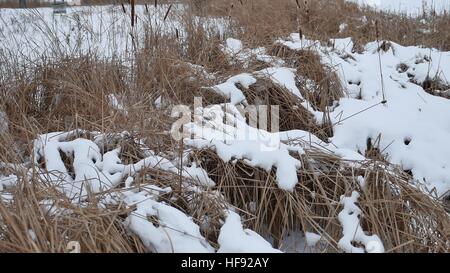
<point x="29" y="35"/>
<point x="411" y="7"/>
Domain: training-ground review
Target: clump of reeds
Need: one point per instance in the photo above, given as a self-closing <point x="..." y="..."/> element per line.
<point x="405" y="218"/>
<point x="294" y="115"/>
<point x="40" y="219"/>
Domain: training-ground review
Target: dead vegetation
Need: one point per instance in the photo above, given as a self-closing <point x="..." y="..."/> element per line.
<point x="73" y="93"/>
<point x="408" y="219"/>
<point x="295" y="116"/>
<point x="27" y="225"/>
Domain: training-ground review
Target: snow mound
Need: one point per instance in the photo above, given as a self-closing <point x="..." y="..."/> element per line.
<point x="169" y="231"/>
<point x="229" y="89"/>
<point x="234" y="238"/>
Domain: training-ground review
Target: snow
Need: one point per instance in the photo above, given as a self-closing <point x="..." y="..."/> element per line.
<point x="117" y="104"/>
<point x="31" y="35"/>
<point x="312" y="238"/>
<point x="223" y="129"/>
<point x="237" y="54"/>
<point x="234" y="139"/>
<point x="384" y="100"/>
<point x="411" y="7"/>
<point x="297" y="242"/>
<point x="200" y="70"/>
<point x="233" y="238"/>
<point x="7" y="181"/>
<point x="171" y="232"/>
<point x="3" y="122"/>
<point x="229" y="89"/>
<point x="281" y="76"/>
<point x="343" y="27"/>
<point x="165" y="229"/>
<point x="286" y="78"/>
<point x="32" y="234"/>
<point x="161" y="227"/>
<point x="413" y="125"/>
<point x="352" y="231"/>
<point x="93" y="171"/>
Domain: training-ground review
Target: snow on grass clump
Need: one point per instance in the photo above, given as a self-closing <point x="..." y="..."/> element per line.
<point x="413" y="126"/>
<point x="91" y="170"/>
<point x="283" y="77"/>
<point x="223" y="129"/>
<point x="166" y="229"/>
<point x="352" y="230"/>
<point x="229" y="89"/>
<point x="236" y="140"/>
<point x="78" y="166"/>
<point x="287" y="78"/>
<point x="237" y="54"/>
<point x="234" y="238"/>
<point x="169" y="230"/>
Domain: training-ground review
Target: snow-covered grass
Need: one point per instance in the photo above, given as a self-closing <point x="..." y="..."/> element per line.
<point x="385" y="100"/>
<point x="410" y="7"/>
<point x="30" y="35"/>
<point x="349" y="155"/>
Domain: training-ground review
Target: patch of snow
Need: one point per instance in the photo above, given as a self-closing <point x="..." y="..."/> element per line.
<point x="343" y="27"/>
<point x="229" y="89"/>
<point x="352" y="231"/>
<point x="233" y="238"/>
<point x="312" y="238"/>
<point x="236" y="52"/>
<point x="4" y="123"/>
<point x="117" y="104"/>
<point x="168" y="231"/>
<point x="7" y="181"/>
<point x="30" y="35"/>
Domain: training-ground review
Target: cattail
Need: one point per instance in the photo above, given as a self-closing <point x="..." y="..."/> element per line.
<point x="132" y="3"/>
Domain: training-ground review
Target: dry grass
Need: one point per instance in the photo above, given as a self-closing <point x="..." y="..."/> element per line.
<point x="407" y="219"/>
<point x="73" y="93"/>
<point x="321" y="20"/>
<point x="318" y="83"/>
<point x="29" y="226"/>
<point x="294" y="115"/>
